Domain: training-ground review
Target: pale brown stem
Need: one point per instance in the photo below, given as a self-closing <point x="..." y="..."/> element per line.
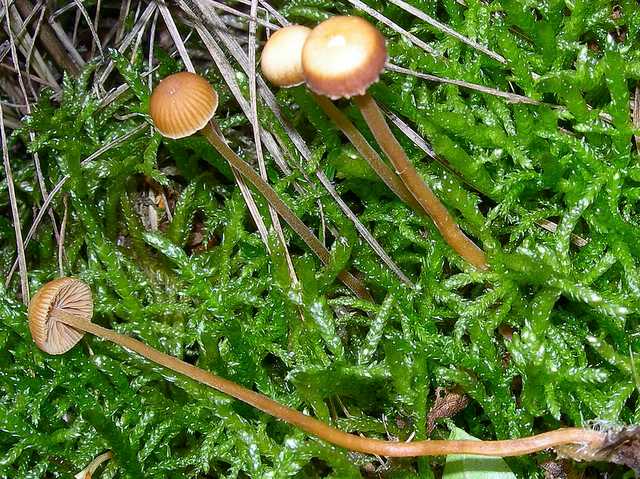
<point x="443" y="220"/>
<point x="314" y="427"/>
<point x="281" y="207"/>
<point x="360" y="143"/>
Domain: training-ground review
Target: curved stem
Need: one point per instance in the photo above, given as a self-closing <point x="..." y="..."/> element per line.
<point x="443" y="220"/>
<point x="515" y="447"/>
<point x="281" y="207"/>
<point x="360" y="143"/>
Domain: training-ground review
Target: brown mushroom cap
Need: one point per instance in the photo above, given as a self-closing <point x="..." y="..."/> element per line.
<point x="281" y="61"/>
<point x="343" y="56"/>
<point x="69" y="295"/>
<point x="182" y="104"/>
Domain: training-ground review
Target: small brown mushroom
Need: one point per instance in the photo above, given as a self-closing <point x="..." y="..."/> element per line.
<point x="341" y="58"/>
<point x="280" y="61"/>
<point x="184" y="103"/>
<point x="62" y="309"/>
<point x="64" y="295"/>
<point x="281" y="64"/>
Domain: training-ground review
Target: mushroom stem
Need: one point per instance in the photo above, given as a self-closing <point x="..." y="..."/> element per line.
<point x="443" y="220"/>
<point x="385" y="173"/>
<point x="584" y="438"/>
<point x="216" y="140"/>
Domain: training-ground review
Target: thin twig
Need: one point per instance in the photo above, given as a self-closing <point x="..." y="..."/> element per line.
<point x="67" y="42"/>
<point x="175" y="36"/>
<point x="63" y="229"/>
<point x="94" y="33"/>
<point x="275" y="13"/>
<point x="128" y="39"/>
<point x="22" y="261"/>
<point x="511" y="97"/>
<point x="96" y="25"/>
<point x="6" y="47"/>
<point x="275" y="221"/>
<point x="152" y="40"/>
<point x="122" y="20"/>
<point x="382" y="19"/>
<point x="35" y="78"/>
<point x="32" y="136"/>
<point x="448" y="30"/>
<point x="23" y="44"/>
<point x="24" y="282"/>
<point x="50" y="41"/>
<point x="238" y="13"/>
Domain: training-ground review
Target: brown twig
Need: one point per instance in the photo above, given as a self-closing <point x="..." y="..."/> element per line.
<point x="22" y="262"/>
<point x="50" y="41"/>
<point x="448" y="30"/>
<point x="255" y="126"/>
<point x="394" y="26"/>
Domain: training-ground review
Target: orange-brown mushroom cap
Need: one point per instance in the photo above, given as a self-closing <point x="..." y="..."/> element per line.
<point x="281" y="61"/>
<point x="182" y="104"/>
<point x="69" y="295"/>
<point x="343" y="56"/>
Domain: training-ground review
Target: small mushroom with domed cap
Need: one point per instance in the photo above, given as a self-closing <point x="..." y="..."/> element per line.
<point x="280" y="60"/>
<point x="183" y="104"/>
<point x="341" y="58"/>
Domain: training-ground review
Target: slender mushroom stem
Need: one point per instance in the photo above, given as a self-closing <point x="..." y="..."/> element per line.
<point x="214" y="138"/>
<point x="443" y="220"/>
<point x="385" y="173"/>
<point x="570" y="436"/>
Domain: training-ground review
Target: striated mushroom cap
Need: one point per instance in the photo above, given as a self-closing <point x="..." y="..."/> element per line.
<point x="343" y="56"/>
<point x="281" y="61"/>
<point x="182" y="104"/>
<point x="69" y="295"/>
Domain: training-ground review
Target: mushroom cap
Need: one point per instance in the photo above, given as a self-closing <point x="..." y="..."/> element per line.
<point x="281" y="61"/>
<point x="66" y="294"/>
<point x="343" y="56"/>
<point x="182" y="104"/>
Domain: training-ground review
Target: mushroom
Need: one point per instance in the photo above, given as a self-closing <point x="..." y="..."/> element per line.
<point x="184" y="103"/>
<point x="341" y="58"/>
<point x="280" y="60"/>
<point x="281" y="64"/>
<point x="60" y="313"/>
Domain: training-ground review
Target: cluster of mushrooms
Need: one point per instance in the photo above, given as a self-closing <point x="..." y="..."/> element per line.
<point x="341" y="57"/>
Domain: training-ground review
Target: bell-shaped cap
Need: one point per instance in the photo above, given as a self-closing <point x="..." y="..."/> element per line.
<point x="343" y="56"/>
<point x="281" y="61"/>
<point x="68" y="295"/>
<point x="182" y="104"/>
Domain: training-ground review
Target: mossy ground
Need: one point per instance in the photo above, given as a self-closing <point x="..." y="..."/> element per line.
<point x="159" y="230"/>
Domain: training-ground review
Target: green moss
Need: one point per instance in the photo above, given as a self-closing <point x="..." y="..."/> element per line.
<point x="203" y="286"/>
